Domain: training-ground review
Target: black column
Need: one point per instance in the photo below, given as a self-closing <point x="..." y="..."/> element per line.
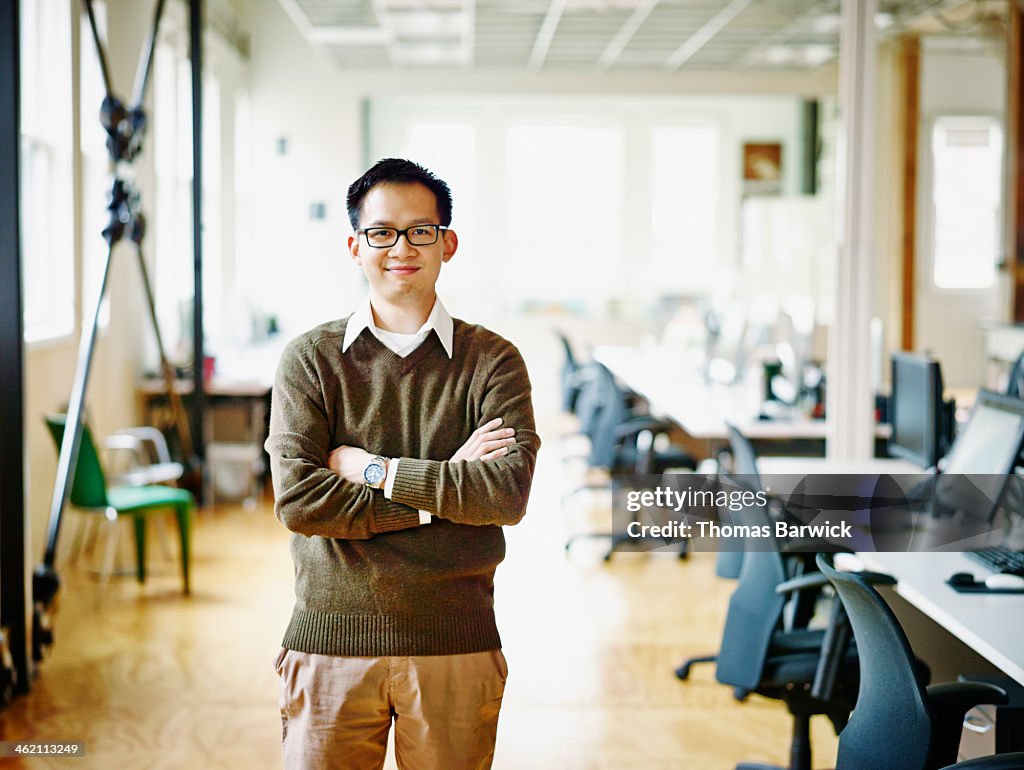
<point x="199" y="353"/>
<point x="15" y="602"/>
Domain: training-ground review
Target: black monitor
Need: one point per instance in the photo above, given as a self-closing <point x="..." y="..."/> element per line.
<point x="916" y="410"/>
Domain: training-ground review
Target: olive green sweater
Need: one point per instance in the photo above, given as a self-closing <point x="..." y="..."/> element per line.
<point x="369" y="579"/>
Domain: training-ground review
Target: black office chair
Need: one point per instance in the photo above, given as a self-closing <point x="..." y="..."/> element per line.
<point x="729" y="559"/>
<point x="616" y="446"/>
<point x="898" y="722"/>
<point x="573" y="375"/>
<point x="1015" y="383"/>
<point x="770" y="651"/>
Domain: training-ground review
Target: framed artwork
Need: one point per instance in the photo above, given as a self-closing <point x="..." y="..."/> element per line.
<point x="762" y="168"/>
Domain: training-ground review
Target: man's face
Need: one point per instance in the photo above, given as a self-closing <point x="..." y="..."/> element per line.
<point x="403" y="272"/>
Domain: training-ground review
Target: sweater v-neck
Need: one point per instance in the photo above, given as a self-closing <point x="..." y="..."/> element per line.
<point x="391" y="359"/>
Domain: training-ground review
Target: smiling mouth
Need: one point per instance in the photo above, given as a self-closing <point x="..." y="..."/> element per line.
<point x="402" y="270"/>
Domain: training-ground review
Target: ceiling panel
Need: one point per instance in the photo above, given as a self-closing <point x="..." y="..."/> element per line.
<point x="586" y="35"/>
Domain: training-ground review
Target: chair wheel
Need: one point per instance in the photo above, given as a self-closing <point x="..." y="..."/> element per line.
<point x="683" y="672"/>
<point x="740" y="694"/>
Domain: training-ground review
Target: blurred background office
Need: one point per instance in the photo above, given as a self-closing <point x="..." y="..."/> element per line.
<point x="665" y="175"/>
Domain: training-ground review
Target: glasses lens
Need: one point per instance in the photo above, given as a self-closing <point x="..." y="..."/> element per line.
<point x="381" y="236"/>
<point x="422" y="235"/>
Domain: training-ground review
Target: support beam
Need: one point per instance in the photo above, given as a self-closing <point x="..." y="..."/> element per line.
<point x="198" y="349"/>
<point x="15" y="592"/>
<point x="910" y="68"/>
<point x="700" y="38"/>
<point x="809" y="120"/>
<point x="1014" y="260"/>
<point x="546" y="34"/>
<point x="618" y="43"/>
<point x="850" y="402"/>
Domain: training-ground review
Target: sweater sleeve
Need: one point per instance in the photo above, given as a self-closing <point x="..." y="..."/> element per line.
<point x="477" y="492"/>
<point x="310" y="498"/>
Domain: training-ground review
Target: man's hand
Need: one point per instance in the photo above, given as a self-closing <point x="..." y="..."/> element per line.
<point x="349" y="462"/>
<point x="488" y="442"/>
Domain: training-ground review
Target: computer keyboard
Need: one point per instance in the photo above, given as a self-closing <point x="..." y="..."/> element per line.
<point x="999" y="559"/>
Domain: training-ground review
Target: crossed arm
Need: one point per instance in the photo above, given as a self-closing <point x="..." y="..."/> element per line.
<point x="318" y="492"/>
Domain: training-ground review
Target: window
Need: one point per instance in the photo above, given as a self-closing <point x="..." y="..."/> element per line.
<point x="564" y="225"/>
<point x="96" y="174"/>
<point x="966" y="203"/>
<point x="449" y="150"/>
<point x="684" y="200"/>
<point x="171" y="121"/>
<point x="48" y="257"/>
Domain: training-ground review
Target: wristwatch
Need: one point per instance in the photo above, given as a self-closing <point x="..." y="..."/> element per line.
<point x="375" y="472"/>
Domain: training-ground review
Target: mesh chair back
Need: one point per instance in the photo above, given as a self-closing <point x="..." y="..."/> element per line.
<point x="612" y="413"/>
<point x="890" y="726"/>
<point x="1015" y="385"/>
<point x="89" y="489"/>
<point x="570" y="374"/>
<point x="755" y="610"/>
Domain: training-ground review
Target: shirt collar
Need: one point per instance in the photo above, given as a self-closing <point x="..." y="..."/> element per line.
<point x="439" y="321"/>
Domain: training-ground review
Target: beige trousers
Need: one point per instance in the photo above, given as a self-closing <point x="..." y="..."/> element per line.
<point x="336" y="711"/>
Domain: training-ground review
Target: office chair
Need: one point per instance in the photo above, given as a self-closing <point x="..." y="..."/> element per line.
<point x="729" y="559"/>
<point x="768" y="651"/>
<point x="90" y="494"/>
<point x="898" y="722"/>
<point x="573" y="374"/>
<point x="1015" y="383"/>
<point x="621" y="442"/>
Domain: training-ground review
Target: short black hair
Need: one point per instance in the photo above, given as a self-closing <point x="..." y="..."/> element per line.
<point x="398" y="171"/>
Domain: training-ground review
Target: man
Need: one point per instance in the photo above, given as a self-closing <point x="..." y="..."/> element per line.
<point x="401" y="441"/>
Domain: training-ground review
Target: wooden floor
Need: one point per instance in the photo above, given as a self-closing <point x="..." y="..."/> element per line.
<point x="148" y="678"/>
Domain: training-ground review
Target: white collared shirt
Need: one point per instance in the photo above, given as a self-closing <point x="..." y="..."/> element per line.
<point x="439" y="321"/>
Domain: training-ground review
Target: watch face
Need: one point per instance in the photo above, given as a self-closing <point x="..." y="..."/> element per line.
<point x="374" y="473"/>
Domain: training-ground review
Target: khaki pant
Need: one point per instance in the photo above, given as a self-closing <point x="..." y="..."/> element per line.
<point x="336" y="711"/>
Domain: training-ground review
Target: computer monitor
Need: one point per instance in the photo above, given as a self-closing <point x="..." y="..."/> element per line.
<point x="983" y="456"/>
<point x="916" y="410"/>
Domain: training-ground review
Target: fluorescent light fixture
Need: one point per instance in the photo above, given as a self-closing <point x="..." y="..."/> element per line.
<point x="422" y="5"/>
<point x="827" y="24"/>
<point x="810" y="55"/>
<point x="430" y="54"/>
<point x="429" y="25"/>
<point x="349" y="36"/>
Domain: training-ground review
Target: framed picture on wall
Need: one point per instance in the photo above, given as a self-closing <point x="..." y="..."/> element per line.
<point x="762" y="168"/>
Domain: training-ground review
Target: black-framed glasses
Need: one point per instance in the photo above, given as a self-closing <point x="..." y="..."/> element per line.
<point x="417" y="235"/>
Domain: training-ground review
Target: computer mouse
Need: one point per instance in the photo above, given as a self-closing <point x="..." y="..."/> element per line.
<point x="1004" y="580"/>
<point x="961" y="579"/>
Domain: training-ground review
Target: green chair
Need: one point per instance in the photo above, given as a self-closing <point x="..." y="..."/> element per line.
<point x="90" y="493"/>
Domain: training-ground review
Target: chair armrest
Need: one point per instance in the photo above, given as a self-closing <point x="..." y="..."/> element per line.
<point x="1013" y="761"/>
<point x="126" y="443"/>
<point x="803" y="545"/>
<point x="948" y="703"/>
<point x="637" y="425"/>
<point x="151" y="435"/>
<point x="802" y="583"/>
<point x="963" y="696"/>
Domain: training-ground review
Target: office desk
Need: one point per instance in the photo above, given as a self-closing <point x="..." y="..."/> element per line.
<point x="253" y="395"/>
<point x="235" y="425"/>
<point x="992" y="625"/>
<point x="679" y="393"/>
